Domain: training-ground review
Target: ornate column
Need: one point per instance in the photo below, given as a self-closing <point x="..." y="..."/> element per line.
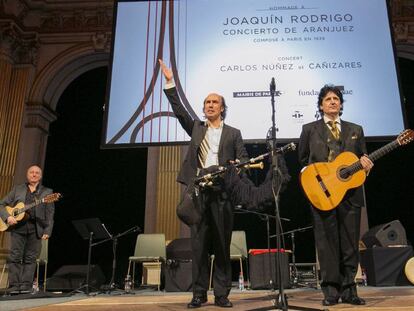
<point x="17" y="58"/>
<point x="33" y="138"/>
<point x="18" y="54"/>
<point x="5" y="78"/>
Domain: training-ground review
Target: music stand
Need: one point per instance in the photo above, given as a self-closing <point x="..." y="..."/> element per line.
<point x="90" y="229"/>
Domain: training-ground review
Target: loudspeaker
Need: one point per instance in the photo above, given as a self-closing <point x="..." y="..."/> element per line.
<point x="70" y="277"/>
<point x="179" y="249"/>
<point x="178" y="275"/>
<point x="384" y="266"/>
<point x="392" y="233"/>
<point x="261" y="266"/>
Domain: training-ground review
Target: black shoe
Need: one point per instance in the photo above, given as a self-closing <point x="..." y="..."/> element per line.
<point x="330" y="301"/>
<point x="25" y="289"/>
<point x="13" y="290"/>
<point x="196" y="302"/>
<point x="353" y="300"/>
<point x="223" y="302"/>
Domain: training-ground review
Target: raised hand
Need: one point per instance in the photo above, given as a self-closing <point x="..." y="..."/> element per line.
<point x="168" y="75"/>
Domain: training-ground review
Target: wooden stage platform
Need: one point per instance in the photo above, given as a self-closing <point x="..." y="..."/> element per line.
<point x="377" y="298"/>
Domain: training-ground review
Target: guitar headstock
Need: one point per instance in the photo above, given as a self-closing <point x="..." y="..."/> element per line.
<point x="405" y="137"/>
<point x="53" y="197"/>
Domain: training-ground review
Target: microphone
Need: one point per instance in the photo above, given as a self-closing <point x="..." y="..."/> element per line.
<point x="137" y="229"/>
<point x="272" y="85"/>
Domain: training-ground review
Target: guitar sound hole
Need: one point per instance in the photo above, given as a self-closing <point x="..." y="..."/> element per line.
<point x="344" y="174"/>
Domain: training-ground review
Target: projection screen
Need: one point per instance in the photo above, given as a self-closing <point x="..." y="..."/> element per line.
<point x="234" y="48"/>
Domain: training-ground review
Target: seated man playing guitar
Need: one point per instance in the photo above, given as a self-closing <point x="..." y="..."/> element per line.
<point x="337" y="230"/>
<point x="26" y="235"/>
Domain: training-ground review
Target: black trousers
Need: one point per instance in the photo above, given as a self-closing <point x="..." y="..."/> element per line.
<point x="25" y="247"/>
<point x="212" y="235"/>
<point x="336" y="238"/>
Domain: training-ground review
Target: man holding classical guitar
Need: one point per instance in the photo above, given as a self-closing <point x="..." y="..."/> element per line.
<point x="27" y="232"/>
<point x="337" y="229"/>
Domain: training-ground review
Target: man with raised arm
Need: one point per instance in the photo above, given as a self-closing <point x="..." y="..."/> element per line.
<point x="212" y="143"/>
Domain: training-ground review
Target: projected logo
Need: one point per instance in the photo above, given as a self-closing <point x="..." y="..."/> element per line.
<point x="315" y="92"/>
<point x="243" y="94"/>
<point x="297" y="116"/>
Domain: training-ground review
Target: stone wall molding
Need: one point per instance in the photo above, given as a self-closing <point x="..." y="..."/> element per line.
<point x="62" y="70"/>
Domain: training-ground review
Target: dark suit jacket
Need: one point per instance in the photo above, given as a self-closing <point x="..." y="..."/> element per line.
<point x="43" y="213"/>
<point x="231" y="145"/>
<point x="313" y="147"/>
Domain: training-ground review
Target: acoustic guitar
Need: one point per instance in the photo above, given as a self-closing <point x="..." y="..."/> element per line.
<point x="19" y="211"/>
<point x="326" y="183"/>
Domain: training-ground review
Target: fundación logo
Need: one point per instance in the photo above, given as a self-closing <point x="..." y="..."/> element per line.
<point x="315" y="92"/>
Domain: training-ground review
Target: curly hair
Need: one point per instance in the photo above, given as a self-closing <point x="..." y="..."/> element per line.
<point x="324" y="91"/>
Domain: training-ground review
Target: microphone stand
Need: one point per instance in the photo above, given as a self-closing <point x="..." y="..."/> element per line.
<point x="112" y="286"/>
<point x="280" y="303"/>
<point x="267" y="218"/>
<point x="294" y="267"/>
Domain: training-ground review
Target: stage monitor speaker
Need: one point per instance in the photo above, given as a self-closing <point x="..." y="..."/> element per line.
<point x="178" y="275"/>
<point x="384" y="266"/>
<point x="391" y="233"/>
<point x="71" y="277"/>
<point x="261" y="266"/>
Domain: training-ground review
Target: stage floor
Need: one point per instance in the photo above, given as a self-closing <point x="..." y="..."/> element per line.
<point x="377" y="298"/>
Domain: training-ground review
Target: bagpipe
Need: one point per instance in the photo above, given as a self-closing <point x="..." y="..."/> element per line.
<point x="207" y="180"/>
<point x="189" y="209"/>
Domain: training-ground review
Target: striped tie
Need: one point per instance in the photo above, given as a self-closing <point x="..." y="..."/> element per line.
<point x="334" y="129"/>
<point x="204" y="149"/>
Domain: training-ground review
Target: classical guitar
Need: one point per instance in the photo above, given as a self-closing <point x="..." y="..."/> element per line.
<point x="326" y="183"/>
<point x="18" y="211"/>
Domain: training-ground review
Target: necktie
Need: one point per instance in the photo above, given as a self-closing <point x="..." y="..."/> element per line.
<point x="202" y="153"/>
<point x="334" y="129"/>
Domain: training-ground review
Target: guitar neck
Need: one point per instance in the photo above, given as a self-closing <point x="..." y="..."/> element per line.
<point x="383" y="150"/>
<point x="355" y="167"/>
<point x="29" y="206"/>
